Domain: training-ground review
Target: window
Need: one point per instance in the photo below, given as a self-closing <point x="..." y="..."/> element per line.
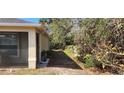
<point x="9" y="44"/>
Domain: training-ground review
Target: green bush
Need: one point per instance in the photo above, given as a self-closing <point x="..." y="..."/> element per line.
<point x="69" y="39"/>
<point x="89" y="61"/>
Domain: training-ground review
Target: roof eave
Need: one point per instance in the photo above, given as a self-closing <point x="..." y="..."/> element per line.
<point x="39" y="26"/>
<point x="21" y="24"/>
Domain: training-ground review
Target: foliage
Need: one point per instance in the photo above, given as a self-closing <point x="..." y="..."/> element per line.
<point x="45" y="20"/>
<point x="88" y="60"/>
<point x="57" y="38"/>
<point x="99" y="41"/>
<point x="69" y="39"/>
<point x="101" y="38"/>
<point x="60" y="29"/>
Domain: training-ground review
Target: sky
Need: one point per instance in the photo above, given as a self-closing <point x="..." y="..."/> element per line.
<point x="35" y="20"/>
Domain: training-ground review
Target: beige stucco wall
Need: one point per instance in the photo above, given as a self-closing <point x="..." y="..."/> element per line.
<point x="44" y="42"/>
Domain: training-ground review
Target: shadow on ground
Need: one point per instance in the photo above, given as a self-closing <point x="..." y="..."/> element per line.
<point x="60" y="59"/>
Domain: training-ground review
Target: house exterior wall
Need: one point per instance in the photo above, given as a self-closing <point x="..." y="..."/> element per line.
<point x="32" y="57"/>
<point x="44" y="42"/>
<point x="27" y="45"/>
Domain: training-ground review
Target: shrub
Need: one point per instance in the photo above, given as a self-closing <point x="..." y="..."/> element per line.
<point x="98" y="39"/>
<point x="89" y="61"/>
<point x="69" y="39"/>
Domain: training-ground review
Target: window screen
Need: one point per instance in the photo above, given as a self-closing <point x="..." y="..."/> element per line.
<point x="8" y="43"/>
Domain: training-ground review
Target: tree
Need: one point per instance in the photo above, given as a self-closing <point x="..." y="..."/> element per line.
<point x="60" y="28"/>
